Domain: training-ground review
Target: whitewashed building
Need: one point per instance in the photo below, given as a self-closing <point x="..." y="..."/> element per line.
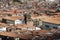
<point x="2" y="29"/>
<point x="52" y="0"/>
<point x="13" y="20"/>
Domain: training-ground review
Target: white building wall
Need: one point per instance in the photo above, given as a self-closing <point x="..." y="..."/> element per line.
<point x="18" y="21"/>
<point x="2" y="29"/>
<point x="52" y="0"/>
<point x="49" y="0"/>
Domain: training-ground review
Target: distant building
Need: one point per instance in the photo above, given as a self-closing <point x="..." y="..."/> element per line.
<point x="52" y="0"/>
<point x="13" y="20"/>
<point x="50" y="23"/>
<point x="5" y="0"/>
<point x="36" y="20"/>
<point x="3" y="27"/>
<point x="19" y="0"/>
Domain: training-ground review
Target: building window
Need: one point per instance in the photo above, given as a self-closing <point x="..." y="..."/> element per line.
<point x="47" y="26"/>
<point x="9" y="30"/>
<point x="18" y="28"/>
<point x="55" y="27"/>
<point x="4" y="21"/>
<point x="10" y="22"/>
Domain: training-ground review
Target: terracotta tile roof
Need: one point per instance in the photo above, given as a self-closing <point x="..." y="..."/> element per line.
<point x="34" y="16"/>
<point x="9" y="34"/>
<point x="3" y="25"/>
<point x="52" y="20"/>
<point x="40" y="32"/>
<point x="24" y="26"/>
<point x="14" y="17"/>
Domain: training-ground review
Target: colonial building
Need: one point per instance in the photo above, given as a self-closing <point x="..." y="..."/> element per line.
<point x="13" y="20"/>
<point x="50" y="23"/>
